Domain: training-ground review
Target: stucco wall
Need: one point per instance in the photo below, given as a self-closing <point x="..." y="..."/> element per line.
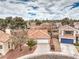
<point x="1" y="50"/>
<point x="5" y="48"/>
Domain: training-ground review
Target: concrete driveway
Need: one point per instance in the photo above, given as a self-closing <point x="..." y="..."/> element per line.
<point x="42" y="48"/>
<point x="69" y="49"/>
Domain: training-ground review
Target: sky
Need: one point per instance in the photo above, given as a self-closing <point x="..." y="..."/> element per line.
<point x="40" y="9"/>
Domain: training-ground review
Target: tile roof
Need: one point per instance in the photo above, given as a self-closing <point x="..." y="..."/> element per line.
<point x="67" y="27"/>
<point x="38" y="34"/>
<point x="4" y="36"/>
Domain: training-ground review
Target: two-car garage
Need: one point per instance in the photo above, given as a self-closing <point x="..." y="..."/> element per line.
<point x="67" y="41"/>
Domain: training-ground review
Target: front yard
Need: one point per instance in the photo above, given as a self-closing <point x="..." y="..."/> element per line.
<point x="77" y="48"/>
<point x="13" y="54"/>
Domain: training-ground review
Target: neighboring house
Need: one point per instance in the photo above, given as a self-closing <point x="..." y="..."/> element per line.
<point x="76" y="25"/>
<point x="58" y="24"/>
<point x="42" y="26"/>
<point x="40" y="35"/>
<point x="35" y="27"/>
<point x="45" y="25"/>
<point x="67" y="34"/>
<point x="4" y="43"/>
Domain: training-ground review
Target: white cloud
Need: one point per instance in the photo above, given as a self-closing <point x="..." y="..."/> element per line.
<point x="51" y="9"/>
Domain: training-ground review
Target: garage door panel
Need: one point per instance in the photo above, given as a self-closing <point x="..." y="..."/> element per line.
<point x="42" y="41"/>
<point x="68" y="41"/>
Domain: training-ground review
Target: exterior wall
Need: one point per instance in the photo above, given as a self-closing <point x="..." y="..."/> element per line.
<point x="5" y="48"/>
<point x="41" y="40"/>
<point x="8" y="31"/>
<point x="77" y="35"/>
<point x="74" y="36"/>
<point x="1" y="50"/>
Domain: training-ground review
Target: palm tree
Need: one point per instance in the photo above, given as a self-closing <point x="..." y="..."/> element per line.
<point x="31" y="43"/>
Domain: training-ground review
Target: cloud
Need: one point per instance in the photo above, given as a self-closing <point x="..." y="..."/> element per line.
<point x="40" y="9"/>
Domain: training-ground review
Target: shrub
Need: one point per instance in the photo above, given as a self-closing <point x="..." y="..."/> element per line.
<point x="31" y="43"/>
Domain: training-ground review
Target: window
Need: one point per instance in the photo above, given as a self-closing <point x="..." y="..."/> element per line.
<point x="68" y="32"/>
<point x="8" y="44"/>
<point x="0" y="46"/>
<point x="0" y="53"/>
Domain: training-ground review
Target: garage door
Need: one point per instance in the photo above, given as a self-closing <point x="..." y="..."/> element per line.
<point x="68" y="41"/>
<point x="42" y="41"/>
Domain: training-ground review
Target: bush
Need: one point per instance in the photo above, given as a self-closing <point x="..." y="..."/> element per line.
<point x="31" y="43"/>
<point x="76" y="44"/>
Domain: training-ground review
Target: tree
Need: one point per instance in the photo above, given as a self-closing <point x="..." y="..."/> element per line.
<point x="38" y="22"/>
<point x="19" y="22"/>
<point x="65" y="21"/>
<point x="3" y="24"/>
<point x="18" y="40"/>
<point x="8" y="20"/>
<point x="31" y="43"/>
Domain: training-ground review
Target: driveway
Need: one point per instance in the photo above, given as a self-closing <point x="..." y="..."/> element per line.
<point x="69" y="49"/>
<point x="42" y="48"/>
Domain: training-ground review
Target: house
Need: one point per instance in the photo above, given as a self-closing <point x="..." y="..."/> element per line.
<point x="41" y="36"/>
<point x="76" y="25"/>
<point x="45" y="25"/>
<point x="58" y="24"/>
<point x="67" y="34"/>
<point x="4" y="43"/>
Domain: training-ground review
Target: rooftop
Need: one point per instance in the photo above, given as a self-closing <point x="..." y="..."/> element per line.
<point x="37" y="34"/>
<point x="67" y="27"/>
<point x="4" y="36"/>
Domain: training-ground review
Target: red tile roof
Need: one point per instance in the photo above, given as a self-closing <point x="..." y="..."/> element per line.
<point x="4" y="36"/>
<point x="38" y="34"/>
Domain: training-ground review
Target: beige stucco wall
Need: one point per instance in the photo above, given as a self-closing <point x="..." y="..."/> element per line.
<point x="5" y="48"/>
<point x="1" y="50"/>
